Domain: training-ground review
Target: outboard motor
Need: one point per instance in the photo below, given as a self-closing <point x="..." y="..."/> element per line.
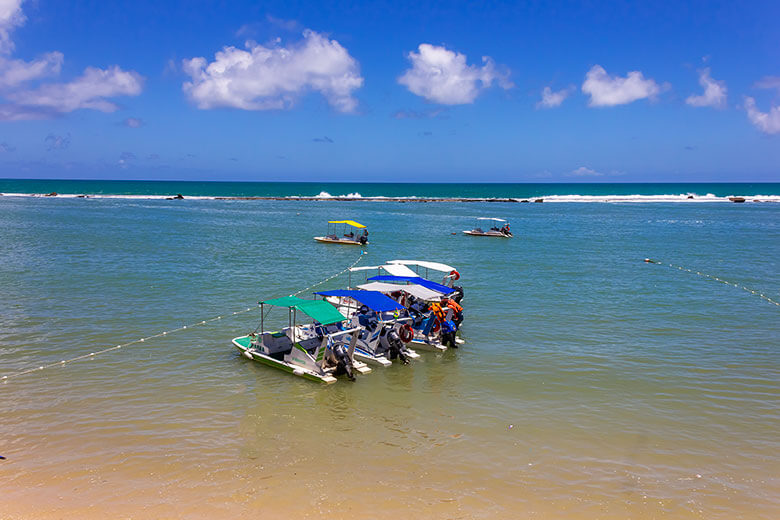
<point x="343" y="362"/>
<point x="458" y="296"/>
<point x="363" y="239"/>
<point x="397" y="347"/>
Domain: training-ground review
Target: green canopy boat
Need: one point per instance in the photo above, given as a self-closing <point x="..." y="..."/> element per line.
<point x="308" y="351"/>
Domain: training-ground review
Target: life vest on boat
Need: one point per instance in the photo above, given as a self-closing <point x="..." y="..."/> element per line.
<point x="437" y="311"/>
<point x="456" y="308"/>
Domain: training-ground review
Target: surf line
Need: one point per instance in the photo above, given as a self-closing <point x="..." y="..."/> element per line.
<point x="91" y="355"/>
<point x="712" y="277"/>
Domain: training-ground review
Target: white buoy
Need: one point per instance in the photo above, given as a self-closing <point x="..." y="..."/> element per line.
<point x="298" y="372"/>
<point x="248" y="354"/>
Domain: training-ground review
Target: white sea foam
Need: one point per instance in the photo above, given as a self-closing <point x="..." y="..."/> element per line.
<point x="324" y="195"/>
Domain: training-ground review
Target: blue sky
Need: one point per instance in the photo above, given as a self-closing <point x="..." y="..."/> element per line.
<point x="383" y="91"/>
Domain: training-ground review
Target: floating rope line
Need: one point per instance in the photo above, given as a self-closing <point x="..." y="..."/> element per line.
<point x="334" y="276"/>
<point x="721" y="280"/>
<point x="158" y="335"/>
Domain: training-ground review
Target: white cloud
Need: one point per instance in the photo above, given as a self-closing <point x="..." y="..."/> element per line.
<point x="11" y="16"/>
<point x="714" y="92"/>
<point x="274" y="77"/>
<point x="45" y="100"/>
<point x="552" y="99"/>
<point x="90" y="90"/>
<point x="15" y="72"/>
<point x="767" y="122"/>
<point x="133" y="122"/>
<point x="442" y="76"/>
<point x="584" y="171"/>
<point x="770" y="82"/>
<point x="606" y="91"/>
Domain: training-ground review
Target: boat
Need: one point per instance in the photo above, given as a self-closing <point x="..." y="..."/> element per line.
<point x="383" y="332"/>
<point x="346" y="232"/>
<point x="493" y="231"/>
<point x="450" y="277"/>
<point x="415" y="298"/>
<point x="308" y="351"/>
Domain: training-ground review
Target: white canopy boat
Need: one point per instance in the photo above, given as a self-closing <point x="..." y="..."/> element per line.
<point x="451" y="274"/>
<point x="308" y="351"/>
<point x="493" y="231"/>
<point x="426" y="334"/>
<point x="346" y="232"/>
<point x="391" y="269"/>
<point x="383" y="333"/>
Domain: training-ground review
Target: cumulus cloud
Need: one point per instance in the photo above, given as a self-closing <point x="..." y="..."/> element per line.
<point x="57" y="142"/>
<point x="551" y="99"/>
<point x="16" y="72"/>
<point x="43" y="100"/>
<point x="606" y="91"/>
<point x="767" y="122"/>
<point x="584" y="171"/>
<point x="11" y="16"/>
<point x="714" y="92"/>
<point x="274" y="77"/>
<point x="443" y="76"/>
<point x="89" y="90"/>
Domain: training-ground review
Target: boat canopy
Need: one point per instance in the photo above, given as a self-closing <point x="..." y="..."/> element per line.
<point x="376" y="301"/>
<point x="418" y="291"/>
<point x="443" y="289"/>
<point x="318" y="310"/>
<point x="491" y="218"/>
<point x="436" y="266"/>
<point x="347" y="222"/>
<point x="393" y="269"/>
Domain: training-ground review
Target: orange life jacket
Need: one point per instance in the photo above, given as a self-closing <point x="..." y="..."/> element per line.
<point x="438" y="311"/>
<point x="456" y="308"/>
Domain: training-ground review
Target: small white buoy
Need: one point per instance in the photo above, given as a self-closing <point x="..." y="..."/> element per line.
<point x="247" y="354"/>
<point x="298" y="372"/>
<point x="511" y="426"/>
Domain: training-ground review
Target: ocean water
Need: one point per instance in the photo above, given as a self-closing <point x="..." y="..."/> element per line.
<point x="551" y="192"/>
<point x="591" y="385"/>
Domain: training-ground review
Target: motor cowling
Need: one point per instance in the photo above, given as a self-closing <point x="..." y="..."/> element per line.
<point x="397" y="347"/>
<point x="458" y="295"/>
<point x="343" y="361"/>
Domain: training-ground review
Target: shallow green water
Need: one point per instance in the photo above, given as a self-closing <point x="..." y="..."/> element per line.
<point x="592" y="384"/>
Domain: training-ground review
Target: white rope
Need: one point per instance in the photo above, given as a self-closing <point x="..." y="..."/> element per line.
<point x="158" y="335"/>
<point x="334" y="276"/>
<point x="717" y="279"/>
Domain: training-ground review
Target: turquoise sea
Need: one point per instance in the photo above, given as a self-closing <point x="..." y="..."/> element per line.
<point x="592" y="384"/>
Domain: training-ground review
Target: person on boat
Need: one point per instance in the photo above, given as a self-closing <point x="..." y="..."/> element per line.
<point x="457" y="310"/>
<point x="363" y="237"/>
<point x="505" y="229"/>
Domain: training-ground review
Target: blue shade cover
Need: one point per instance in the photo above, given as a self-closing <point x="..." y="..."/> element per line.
<point x="374" y="300"/>
<point x="414" y="279"/>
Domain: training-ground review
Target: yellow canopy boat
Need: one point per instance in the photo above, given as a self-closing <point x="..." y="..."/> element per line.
<point x="345" y="232"/>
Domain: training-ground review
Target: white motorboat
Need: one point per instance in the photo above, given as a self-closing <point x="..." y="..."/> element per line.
<point x="493" y="230"/>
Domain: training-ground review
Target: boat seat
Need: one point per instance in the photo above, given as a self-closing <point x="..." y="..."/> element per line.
<point x="276" y="342"/>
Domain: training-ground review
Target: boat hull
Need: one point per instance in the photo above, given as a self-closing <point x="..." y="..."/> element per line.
<point x="339" y="241"/>
<point x="242" y="343"/>
<point x="487" y="234"/>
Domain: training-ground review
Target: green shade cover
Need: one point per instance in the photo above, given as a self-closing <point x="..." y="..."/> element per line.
<point x="318" y="310"/>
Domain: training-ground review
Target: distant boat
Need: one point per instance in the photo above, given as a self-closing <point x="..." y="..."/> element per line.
<point x="346" y="232"/>
<point x="493" y="231"/>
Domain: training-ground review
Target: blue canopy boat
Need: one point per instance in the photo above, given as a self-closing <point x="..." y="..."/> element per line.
<point x="384" y="328"/>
